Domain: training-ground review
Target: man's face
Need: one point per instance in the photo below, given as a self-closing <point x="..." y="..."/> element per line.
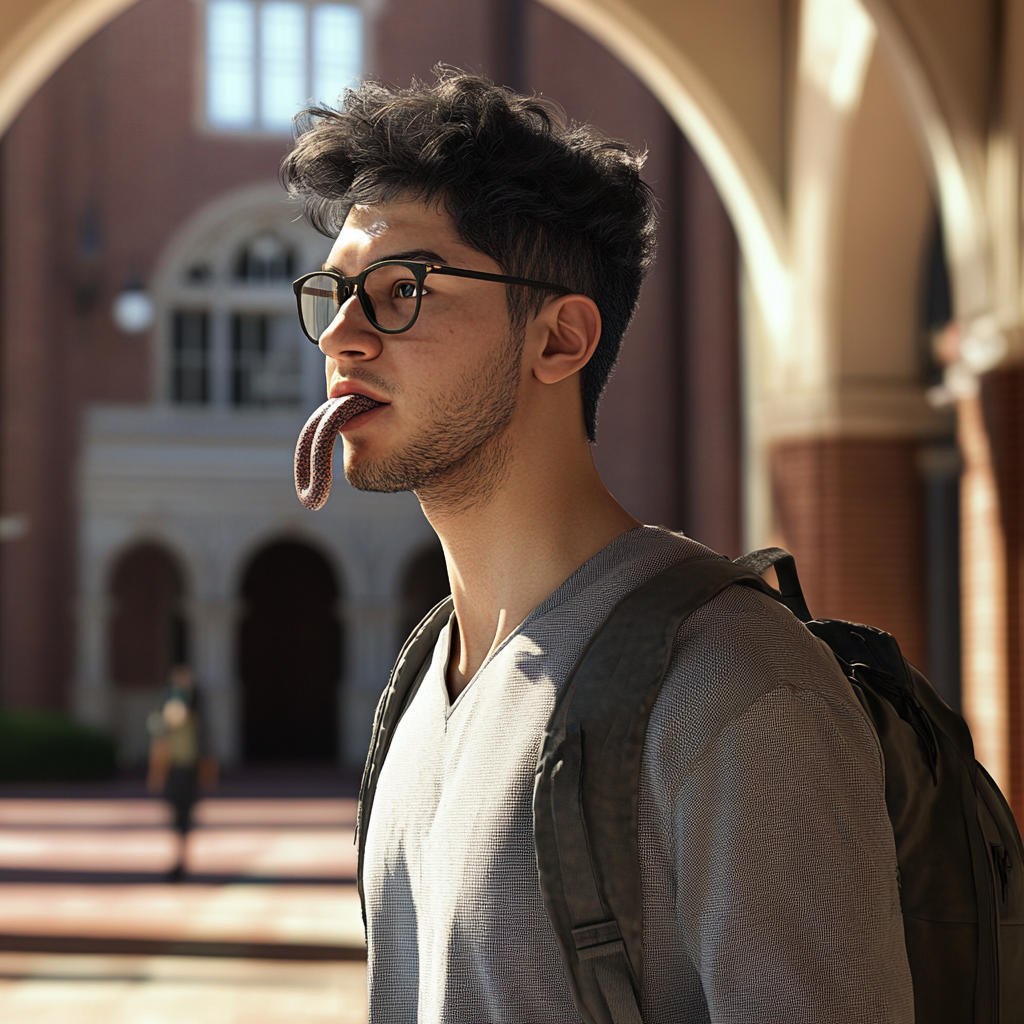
<point x="450" y="383"/>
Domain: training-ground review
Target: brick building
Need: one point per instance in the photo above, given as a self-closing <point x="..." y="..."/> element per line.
<point x="145" y="477"/>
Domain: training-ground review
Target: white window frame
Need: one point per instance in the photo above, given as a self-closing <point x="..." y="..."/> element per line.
<point x="214" y="236"/>
<point x="256" y="126"/>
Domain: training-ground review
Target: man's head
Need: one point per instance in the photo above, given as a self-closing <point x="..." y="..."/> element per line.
<point x="543" y="199"/>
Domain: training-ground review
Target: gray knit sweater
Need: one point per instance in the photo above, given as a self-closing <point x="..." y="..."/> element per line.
<point x="766" y="856"/>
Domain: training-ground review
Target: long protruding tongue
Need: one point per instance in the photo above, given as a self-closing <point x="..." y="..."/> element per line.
<point x="315" y="449"/>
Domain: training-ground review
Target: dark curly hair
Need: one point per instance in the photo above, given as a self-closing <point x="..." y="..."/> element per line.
<point x="543" y="197"/>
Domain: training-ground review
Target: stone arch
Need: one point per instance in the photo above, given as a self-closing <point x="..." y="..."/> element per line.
<point x="148" y="627"/>
<point x="954" y="149"/>
<point x="289" y="654"/>
<point x="674" y="52"/>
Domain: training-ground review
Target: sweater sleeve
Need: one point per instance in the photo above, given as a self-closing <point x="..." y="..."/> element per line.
<point x="783" y="869"/>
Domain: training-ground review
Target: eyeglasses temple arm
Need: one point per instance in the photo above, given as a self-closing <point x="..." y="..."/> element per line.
<point x="480" y="275"/>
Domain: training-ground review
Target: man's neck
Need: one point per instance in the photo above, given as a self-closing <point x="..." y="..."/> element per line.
<point x="516" y="545"/>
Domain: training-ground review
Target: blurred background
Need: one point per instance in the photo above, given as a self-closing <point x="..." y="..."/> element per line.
<point x="827" y="356"/>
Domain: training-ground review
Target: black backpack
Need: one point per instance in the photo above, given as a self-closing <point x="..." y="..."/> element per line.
<point x="958" y="849"/>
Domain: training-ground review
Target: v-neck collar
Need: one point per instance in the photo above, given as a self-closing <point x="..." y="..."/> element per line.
<point x="588" y="573"/>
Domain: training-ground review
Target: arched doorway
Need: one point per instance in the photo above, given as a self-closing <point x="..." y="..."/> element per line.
<point x="148" y="627"/>
<point x="424" y="583"/>
<point x="289" y="656"/>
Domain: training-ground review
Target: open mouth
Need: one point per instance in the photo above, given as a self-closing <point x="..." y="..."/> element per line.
<point x="315" y="448"/>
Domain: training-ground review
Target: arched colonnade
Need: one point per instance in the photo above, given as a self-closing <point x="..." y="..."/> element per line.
<point x="289" y="634"/>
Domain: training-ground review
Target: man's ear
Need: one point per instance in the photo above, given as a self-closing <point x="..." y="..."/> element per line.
<point x="564" y="336"/>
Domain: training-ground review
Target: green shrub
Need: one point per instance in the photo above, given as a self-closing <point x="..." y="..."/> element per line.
<point x="38" y="746"/>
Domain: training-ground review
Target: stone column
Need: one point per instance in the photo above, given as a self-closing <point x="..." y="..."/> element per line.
<point x="212" y="623"/>
<point x="92" y="697"/>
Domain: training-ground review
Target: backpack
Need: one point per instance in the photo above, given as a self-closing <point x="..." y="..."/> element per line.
<point x="958" y="850"/>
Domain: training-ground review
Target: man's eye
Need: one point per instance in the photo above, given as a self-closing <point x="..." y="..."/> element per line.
<point x="405" y="290"/>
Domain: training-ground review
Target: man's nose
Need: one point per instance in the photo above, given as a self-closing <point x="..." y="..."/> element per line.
<point x="350" y="334"/>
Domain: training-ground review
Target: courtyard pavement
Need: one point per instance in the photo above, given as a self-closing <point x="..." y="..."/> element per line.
<point x="265" y="928"/>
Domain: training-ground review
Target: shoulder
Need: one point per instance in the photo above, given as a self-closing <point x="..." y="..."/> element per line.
<point x="757" y="642"/>
<point x="745" y="662"/>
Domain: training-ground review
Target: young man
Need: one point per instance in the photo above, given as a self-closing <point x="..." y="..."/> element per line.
<point x="767" y="858"/>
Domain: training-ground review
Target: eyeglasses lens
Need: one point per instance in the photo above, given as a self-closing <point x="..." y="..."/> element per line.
<point x="392" y="293"/>
<point x="318" y="304"/>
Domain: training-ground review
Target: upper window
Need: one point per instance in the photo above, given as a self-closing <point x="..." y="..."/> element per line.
<point x="267" y="59"/>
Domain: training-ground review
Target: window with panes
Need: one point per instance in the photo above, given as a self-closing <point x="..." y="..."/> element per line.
<point x="268" y="59"/>
<point x="244" y="349"/>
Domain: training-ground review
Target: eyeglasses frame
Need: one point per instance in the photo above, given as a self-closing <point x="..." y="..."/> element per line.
<point x="420" y="272"/>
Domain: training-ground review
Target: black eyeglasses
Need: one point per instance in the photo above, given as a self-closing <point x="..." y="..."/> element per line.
<point x="390" y="293"/>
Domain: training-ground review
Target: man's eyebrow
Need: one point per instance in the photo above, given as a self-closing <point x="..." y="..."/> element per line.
<point x="416" y="255"/>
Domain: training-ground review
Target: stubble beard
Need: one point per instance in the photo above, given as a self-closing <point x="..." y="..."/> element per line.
<point x="462" y="453"/>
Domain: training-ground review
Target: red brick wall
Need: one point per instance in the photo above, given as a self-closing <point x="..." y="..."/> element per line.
<point x="1003" y="403"/>
<point x="850" y="510"/>
<point x="110" y="137"/>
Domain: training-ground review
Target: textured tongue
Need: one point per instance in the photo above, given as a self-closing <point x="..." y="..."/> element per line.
<point x="315" y="448"/>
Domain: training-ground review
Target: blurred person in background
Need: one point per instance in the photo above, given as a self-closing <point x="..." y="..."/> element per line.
<point x="178" y="768"/>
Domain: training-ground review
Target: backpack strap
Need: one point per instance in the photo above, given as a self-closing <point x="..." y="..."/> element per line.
<point x="586" y="786"/>
<point x="790" y="592"/>
<point x="406" y="676"/>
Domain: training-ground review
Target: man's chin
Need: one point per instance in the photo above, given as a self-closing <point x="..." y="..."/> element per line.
<point x="381" y="479"/>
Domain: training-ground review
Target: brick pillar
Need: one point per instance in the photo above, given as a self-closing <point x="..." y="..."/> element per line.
<point x="851" y="511"/>
<point x="994" y="678"/>
<point x="39" y="408"/>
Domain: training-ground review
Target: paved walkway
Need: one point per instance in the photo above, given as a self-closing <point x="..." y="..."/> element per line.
<point x="295" y="840"/>
<point x="87" y="921"/>
<point x="65" y="989"/>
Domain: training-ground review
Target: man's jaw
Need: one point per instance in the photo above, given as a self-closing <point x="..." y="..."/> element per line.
<point x="444" y="486"/>
<point x="451" y="447"/>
